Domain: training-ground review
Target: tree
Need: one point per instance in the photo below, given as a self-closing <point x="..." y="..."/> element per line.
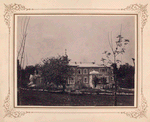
<point x="21" y="51"/>
<point x="30" y="69"/>
<point x="56" y="70"/>
<point x="118" y="48"/>
<point x="103" y="81"/>
<point x="96" y="80"/>
<point x="23" y="75"/>
<point x="125" y="76"/>
<point x="19" y="83"/>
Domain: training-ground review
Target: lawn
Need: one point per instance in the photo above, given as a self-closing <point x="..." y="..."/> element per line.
<point x="45" y="98"/>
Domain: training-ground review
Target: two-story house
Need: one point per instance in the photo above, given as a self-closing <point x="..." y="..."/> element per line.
<point x="85" y="72"/>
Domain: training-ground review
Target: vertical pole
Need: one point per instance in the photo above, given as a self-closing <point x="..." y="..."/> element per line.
<point x="115" y="94"/>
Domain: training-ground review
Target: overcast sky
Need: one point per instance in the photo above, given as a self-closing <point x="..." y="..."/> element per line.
<point x="84" y="37"/>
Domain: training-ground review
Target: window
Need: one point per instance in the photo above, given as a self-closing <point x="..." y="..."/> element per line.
<point x="79" y="71"/>
<point x="85" y="80"/>
<point x="85" y="71"/>
<point x="71" y="80"/>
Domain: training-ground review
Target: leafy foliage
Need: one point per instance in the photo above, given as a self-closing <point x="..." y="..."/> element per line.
<point x="30" y="69"/>
<point x="103" y="80"/>
<point x="125" y="76"/>
<point x="23" y="75"/>
<point x="118" y="48"/>
<point x="56" y="70"/>
<point x="96" y="81"/>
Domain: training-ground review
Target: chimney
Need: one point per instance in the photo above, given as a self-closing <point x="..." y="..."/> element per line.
<point x="93" y="62"/>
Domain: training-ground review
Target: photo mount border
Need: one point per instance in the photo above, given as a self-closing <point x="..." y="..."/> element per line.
<point x="12" y="8"/>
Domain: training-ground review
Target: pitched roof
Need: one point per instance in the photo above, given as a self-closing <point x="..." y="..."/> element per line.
<point x="85" y="65"/>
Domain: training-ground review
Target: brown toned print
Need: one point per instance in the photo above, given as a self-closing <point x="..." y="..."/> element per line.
<point x="75" y="60"/>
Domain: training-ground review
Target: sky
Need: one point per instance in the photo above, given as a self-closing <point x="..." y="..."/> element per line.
<point x="84" y="36"/>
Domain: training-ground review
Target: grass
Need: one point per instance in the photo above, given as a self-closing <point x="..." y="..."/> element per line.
<point x="43" y="98"/>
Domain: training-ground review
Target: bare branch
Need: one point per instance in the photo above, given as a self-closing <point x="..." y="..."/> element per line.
<point x="25" y="35"/>
<point x="104" y="52"/>
<point x="22" y="27"/>
<point x="23" y="49"/>
<point x="109" y="43"/>
<point x="120" y="29"/>
<point x="20" y="47"/>
<point x="27" y="25"/>
<point x="23" y="30"/>
<point x="23" y="60"/>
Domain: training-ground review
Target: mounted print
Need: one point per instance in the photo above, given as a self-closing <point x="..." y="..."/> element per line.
<point x="76" y="60"/>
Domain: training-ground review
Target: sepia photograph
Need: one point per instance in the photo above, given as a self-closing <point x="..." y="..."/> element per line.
<point x="76" y="60"/>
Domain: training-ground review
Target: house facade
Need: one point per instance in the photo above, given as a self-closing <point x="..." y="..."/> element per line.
<point x="84" y="73"/>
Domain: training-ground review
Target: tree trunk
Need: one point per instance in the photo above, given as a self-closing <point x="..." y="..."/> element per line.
<point x="115" y="70"/>
<point x="115" y="96"/>
<point x="64" y="87"/>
